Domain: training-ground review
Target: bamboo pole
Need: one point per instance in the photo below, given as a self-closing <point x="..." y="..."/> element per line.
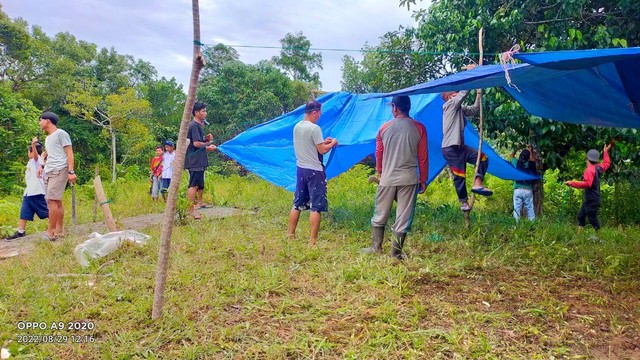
<point x="467" y="220"/>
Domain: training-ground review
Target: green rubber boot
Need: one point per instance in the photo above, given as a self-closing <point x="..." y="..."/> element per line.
<point x="376" y="242"/>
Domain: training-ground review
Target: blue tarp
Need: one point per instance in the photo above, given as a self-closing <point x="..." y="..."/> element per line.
<point x="267" y="149"/>
<point x="590" y="87"/>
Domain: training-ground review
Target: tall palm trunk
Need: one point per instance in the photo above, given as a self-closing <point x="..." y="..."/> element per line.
<point x="178" y="164"/>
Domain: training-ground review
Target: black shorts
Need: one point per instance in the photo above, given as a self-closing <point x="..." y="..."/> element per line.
<point x="311" y="190"/>
<point x="196" y="179"/>
<point x="35" y="204"/>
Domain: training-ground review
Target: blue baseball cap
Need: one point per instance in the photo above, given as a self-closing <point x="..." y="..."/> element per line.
<point x="170" y="143"/>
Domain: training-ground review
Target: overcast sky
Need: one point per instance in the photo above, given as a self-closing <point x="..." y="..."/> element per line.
<point x="160" y="31"/>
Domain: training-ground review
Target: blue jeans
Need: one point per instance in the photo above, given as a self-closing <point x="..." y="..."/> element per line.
<point x="521" y="196"/>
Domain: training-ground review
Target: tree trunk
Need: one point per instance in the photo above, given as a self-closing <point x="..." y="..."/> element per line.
<point x="178" y="164"/>
<point x="113" y="154"/>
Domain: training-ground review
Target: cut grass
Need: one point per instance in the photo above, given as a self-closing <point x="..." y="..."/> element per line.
<point x="238" y="288"/>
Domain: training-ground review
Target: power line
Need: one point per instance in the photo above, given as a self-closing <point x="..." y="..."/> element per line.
<point x="375" y="50"/>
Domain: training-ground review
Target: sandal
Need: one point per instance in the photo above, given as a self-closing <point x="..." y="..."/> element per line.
<point x="482" y="191"/>
<point x="196" y="215"/>
<point x="47" y="237"/>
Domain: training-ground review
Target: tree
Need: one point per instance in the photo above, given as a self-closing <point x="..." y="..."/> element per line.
<point x="43" y="69"/>
<point x="166" y="99"/>
<point x="446" y="39"/>
<point x="398" y="61"/>
<point x="170" y="209"/>
<point x="114" y="113"/>
<point x="216" y="57"/>
<point x="243" y="95"/>
<point x="18" y="125"/>
<point x="296" y="59"/>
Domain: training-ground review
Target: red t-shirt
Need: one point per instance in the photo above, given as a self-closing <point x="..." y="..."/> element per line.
<point x="156" y="165"/>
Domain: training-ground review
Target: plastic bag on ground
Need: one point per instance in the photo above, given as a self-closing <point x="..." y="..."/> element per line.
<point x="102" y="245"/>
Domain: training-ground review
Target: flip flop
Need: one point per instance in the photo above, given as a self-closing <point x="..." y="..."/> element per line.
<point x="46" y="236"/>
<point x="205" y="206"/>
<point x="482" y="191"/>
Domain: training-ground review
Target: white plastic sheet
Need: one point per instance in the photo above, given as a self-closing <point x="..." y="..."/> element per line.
<point x="102" y="245"/>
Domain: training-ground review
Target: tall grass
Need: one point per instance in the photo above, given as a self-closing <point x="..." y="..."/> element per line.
<point x="238" y="288"/>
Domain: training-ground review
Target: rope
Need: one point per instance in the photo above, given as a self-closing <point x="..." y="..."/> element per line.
<point x="105" y="202"/>
<point x="391" y="51"/>
<point x="507" y="60"/>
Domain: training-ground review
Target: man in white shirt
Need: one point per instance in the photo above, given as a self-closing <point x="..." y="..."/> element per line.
<point x="311" y="180"/>
<point x="33" y="201"/>
<point x="167" y="167"/>
<point x="57" y="171"/>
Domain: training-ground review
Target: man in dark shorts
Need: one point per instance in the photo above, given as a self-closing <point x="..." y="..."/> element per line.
<point x="311" y="180"/>
<point x="196" y="160"/>
<point x="455" y="151"/>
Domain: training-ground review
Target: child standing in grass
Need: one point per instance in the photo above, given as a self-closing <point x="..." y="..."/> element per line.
<point x="167" y="168"/>
<point x="33" y="201"/>
<point x="523" y="189"/>
<point x="156" y="173"/>
<point x="591" y="186"/>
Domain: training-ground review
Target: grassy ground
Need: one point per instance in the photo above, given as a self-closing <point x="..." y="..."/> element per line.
<point x="237" y="288"/>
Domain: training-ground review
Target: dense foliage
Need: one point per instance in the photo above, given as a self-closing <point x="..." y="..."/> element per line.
<point x="446" y="38"/>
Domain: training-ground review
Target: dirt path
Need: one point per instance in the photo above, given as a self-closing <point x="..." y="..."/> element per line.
<point x="26" y="244"/>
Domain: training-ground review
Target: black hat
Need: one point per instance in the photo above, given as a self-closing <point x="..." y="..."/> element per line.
<point x="402" y="102"/>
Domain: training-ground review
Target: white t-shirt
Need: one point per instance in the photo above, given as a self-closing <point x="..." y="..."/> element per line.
<point x="35" y="185"/>
<point x="306" y="135"/>
<point x="167" y="168"/>
<point x="56" y="157"/>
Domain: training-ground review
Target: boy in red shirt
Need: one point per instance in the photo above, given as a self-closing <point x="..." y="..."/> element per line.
<point x="591" y="186"/>
<point x="156" y="173"/>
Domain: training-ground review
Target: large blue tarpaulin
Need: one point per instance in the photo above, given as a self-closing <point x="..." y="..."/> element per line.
<point x="354" y="120"/>
<point x="591" y="87"/>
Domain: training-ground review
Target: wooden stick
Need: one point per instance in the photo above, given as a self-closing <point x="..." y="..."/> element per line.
<point x="95" y="199"/>
<point x="467" y="221"/>
<point x="78" y="275"/>
<point x="102" y="198"/>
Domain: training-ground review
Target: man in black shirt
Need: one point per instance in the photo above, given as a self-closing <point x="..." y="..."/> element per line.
<point x="196" y="160"/>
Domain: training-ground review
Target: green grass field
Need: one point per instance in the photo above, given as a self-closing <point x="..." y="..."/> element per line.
<point x="238" y="288"/>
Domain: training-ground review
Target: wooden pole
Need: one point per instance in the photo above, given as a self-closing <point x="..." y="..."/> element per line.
<point x="102" y="199"/>
<point x="467" y="220"/>
<point x="177" y="165"/>
<point x="95" y="199"/>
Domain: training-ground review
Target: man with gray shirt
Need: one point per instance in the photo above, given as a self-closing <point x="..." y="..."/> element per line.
<point x="402" y="163"/>
<point x="454" y="150"/>
<point x="57" y="171"/>
<point x="311" y="180"/>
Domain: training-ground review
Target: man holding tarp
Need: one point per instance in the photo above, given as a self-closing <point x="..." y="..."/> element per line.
<point x="401" y="147"/>
<point x="454" y="150"/>
<point x="311" y="180"/>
